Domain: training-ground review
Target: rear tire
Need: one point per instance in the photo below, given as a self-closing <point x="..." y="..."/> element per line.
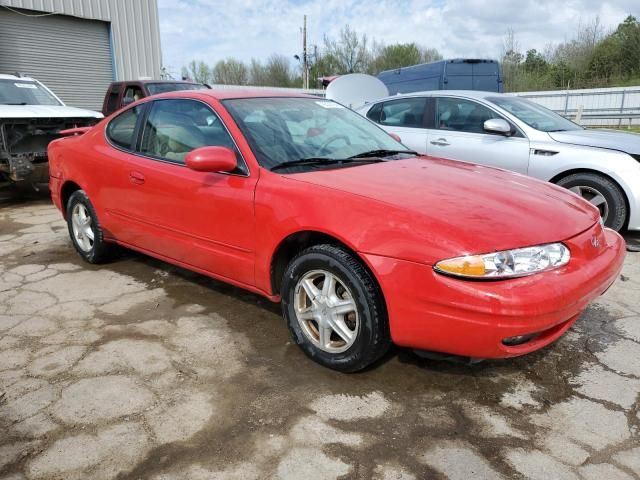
<point x="84" y="229"/>
<point x="602" y="192"/>
<point x="334" y="309"/>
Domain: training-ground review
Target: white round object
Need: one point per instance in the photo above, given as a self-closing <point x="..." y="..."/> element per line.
<point x="356" y="89"/>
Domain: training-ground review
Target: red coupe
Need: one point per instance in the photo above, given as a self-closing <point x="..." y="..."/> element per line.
<point x="363" y="241"/>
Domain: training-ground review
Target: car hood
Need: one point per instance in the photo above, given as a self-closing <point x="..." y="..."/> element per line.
<point x="614" y="140"/>
<point x="45" y="111"/>
<point x="462" y="207"/>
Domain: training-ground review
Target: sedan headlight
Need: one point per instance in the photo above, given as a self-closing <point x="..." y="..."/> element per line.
<point x="506" y="264"/>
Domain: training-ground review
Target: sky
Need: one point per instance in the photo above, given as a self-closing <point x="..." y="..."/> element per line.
<point x="212" y="30"/>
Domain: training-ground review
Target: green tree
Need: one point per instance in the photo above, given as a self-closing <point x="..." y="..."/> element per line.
<point x="396" y="56"/>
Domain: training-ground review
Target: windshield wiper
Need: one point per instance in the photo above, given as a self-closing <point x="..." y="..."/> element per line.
<point x="382" y="153"/>
<point x="315" y="161"/>
<point x="21" y="103"/>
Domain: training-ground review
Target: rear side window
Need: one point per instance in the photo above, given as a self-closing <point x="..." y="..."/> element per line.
<point x="121" y="130"/>
<point x="112" y="100"/>
<point x="132" y="94"/>
<point x="405" y="112"/>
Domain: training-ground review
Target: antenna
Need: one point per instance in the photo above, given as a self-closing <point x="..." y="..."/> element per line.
<point x="356" y="89"/>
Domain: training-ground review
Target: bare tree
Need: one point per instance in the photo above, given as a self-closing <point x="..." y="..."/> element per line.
<point x="277" y="71"/>
<point x="349" y="53"/>
<point x="430" y="55"/>
<point x="230" y="72"/>
<point x="198" y="71"/>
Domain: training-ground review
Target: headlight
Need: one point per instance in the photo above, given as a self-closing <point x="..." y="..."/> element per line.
<point x="507" y="264"/>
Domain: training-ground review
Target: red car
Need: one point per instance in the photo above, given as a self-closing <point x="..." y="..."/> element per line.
<point x="364" y="242"/>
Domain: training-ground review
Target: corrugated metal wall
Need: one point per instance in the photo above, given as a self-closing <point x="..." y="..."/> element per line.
<point x="70" y="55"/>
<point x="135" y="30"/>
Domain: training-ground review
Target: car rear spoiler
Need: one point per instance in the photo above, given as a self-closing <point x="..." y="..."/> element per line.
<point x="74" y="131"/>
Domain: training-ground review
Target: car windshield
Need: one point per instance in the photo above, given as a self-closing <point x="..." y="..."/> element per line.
<point x="534" y="115"/>
<point x="284" y="129"/>
<point x="24" y="92"/>
<point x="163" y="87"/>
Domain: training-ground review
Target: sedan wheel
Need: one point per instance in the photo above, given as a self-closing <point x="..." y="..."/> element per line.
<point x="603" y="193"/>
<point x="84" y="229"/>
<point x="81" y="226"/>
<point x="593" y="196"/>
<point x="326" y="311"/>
<point x="334" y="308"/>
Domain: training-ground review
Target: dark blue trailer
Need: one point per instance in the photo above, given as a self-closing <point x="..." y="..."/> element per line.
<point x="455" y="74"/>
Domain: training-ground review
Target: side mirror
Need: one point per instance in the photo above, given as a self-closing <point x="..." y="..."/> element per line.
<point x="211" y="159"/>
<point x="395" y="137"/>
<point x="497" y="125"/>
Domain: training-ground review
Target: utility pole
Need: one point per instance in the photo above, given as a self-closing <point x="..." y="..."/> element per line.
<point x="305" y="59"/>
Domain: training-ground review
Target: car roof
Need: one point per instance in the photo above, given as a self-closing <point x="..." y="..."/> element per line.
<point x="430" y="93"/>
<point x="4" y="76"/>
<point x="155" y="81"/>
<point x="229" y="93"/>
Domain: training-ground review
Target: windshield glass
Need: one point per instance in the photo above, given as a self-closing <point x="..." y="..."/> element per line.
<point x="534" y="115"/>
<point x="284" y="129"/>
<point x="163" y="87"/>
<point x="24" y="92"/>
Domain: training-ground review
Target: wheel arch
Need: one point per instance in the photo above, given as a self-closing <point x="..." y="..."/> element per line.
<point x="573" y="171"/>
<point x="295" y="242"/>
<point x="67" y="189"/>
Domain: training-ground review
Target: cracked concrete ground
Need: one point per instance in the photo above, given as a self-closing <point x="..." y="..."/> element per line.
<point x="140" y="370"/>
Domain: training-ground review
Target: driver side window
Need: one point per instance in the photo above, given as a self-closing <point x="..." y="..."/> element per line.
<point x="174" y="128"/>
<point x="462" y="115"/>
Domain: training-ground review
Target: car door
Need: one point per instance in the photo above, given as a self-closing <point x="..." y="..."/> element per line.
<point x="405" y="117"/>
<point x="201" y="219"/>
<point x="458" y="134"/>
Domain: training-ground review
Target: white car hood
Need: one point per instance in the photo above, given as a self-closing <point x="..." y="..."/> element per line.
<point x="612" y="139"/>
<point x="45" y="111"/>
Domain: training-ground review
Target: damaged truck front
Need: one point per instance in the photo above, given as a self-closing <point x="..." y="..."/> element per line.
<point x="30" y="117"/>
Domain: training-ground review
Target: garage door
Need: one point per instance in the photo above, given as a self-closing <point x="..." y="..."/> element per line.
<point x="72" y="56"/>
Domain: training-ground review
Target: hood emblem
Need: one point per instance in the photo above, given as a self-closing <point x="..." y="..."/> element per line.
<point x="595" y="243"/>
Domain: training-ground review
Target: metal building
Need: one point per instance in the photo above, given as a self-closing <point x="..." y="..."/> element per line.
<point x="77" y="47"/>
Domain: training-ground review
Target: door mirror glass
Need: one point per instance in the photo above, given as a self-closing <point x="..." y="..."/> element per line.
<point x="211" y="159"/>
<point x="497" y="125"/>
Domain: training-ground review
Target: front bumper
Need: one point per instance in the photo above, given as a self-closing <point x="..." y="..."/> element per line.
<point x="429" y="311"/>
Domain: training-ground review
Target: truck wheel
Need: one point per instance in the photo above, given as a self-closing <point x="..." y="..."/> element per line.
<point x="334" y="309"/>
<point x="84" y="229"/>
<point x="603" y="193"/>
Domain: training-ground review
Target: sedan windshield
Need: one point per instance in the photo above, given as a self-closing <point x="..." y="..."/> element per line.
<point x="534" y="115"/>
<point x="24" y="92"/>
<point x="309" y="133"/>
<point x="163" y="87"/>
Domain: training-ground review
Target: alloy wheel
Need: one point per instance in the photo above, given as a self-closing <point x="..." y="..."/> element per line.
<point x="82" y="227"/>
<point x="594" y="197"/>
<point x="326" y="311"/>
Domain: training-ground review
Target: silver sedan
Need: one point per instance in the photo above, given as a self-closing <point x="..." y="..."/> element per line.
<point x="602" y="166"/>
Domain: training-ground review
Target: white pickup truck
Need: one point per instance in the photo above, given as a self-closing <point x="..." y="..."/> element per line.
<point x="31" y="116"/>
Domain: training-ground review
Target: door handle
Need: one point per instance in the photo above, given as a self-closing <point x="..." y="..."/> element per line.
<point x="136" y="177"/>
<point x="442" y="142"/>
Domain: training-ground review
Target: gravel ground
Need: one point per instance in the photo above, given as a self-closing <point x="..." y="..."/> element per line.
<point x="138" y="369"/>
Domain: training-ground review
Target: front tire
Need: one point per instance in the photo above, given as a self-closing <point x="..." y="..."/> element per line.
<point x="335" y="309"/>
<point x="84" y="229"/>
<point x="603" y="193"/>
